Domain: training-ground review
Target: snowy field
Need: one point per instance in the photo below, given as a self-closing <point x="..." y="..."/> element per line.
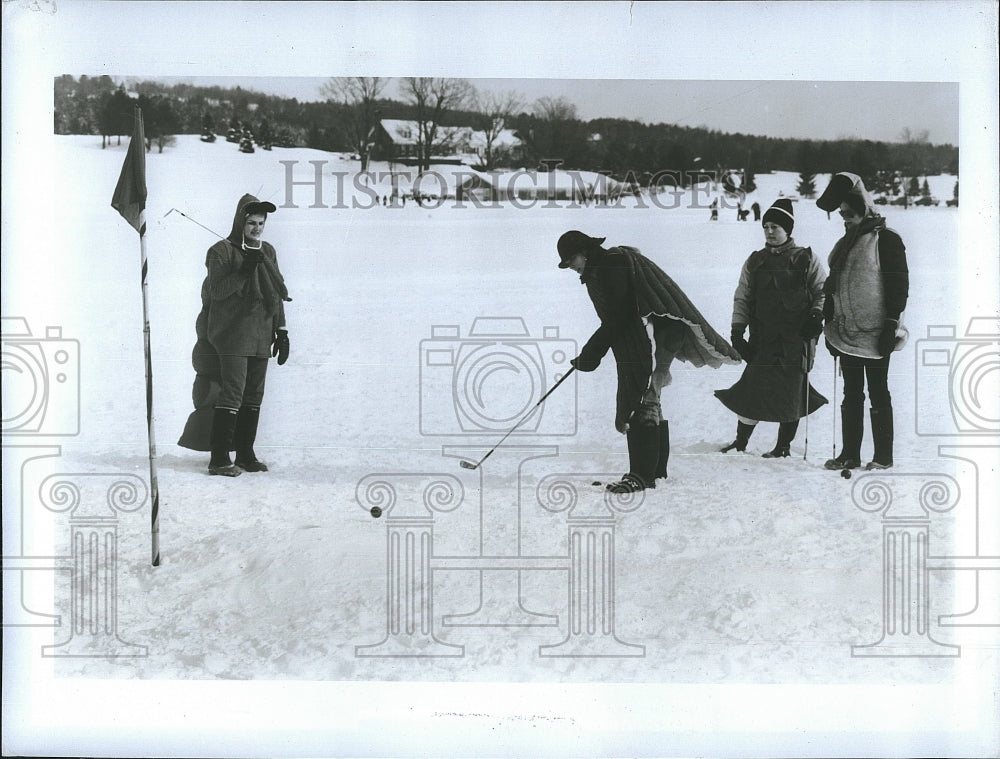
<point x="737" y="570"/>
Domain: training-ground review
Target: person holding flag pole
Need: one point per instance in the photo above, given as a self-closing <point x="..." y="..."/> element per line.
<point x="129" y="199"/>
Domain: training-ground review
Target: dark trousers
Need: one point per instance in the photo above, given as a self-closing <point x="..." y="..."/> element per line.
<point x="242" y="381"/>
<point x="856" y="370"/>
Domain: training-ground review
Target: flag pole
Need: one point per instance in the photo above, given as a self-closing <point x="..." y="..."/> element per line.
<point x="154" y="490"/>
<point x="129" y="199"/>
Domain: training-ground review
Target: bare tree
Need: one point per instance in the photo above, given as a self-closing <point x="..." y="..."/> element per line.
<point x="432" y="98"/>
<point x="359" y="94"/>
<point x="497" y="109"/>
<point x="912" y="158"/>
<point x="556" y="132"/>
<point x="554" y="109"/>
<point x="920" y="136"/>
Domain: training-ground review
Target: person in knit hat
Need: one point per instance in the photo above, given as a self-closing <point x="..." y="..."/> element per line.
<point x="866" y="295"/>
<point x="241" y="325"/>
<point x="646" y="322"/>
<point x="780" y="298"/>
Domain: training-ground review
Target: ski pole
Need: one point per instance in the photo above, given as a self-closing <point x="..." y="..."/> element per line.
<point x="469" y="465"/>
<point x="195" y="221"/>
<point x="805" y="451"/>
<point x="833" y="436"/>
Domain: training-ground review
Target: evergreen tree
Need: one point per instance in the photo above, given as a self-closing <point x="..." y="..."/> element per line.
<point x="807" y="185"/>
<point x="264" y="134"/>
<point x="116" y="115"/>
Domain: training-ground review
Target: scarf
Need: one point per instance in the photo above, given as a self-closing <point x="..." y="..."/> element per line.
<point x="873" y="223"/>
<point x="266" y="286"/>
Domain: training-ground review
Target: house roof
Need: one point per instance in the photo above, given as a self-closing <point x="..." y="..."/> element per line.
<point x="404" y="132"/>
<point x="505" y="138"/>
<point x="401" y="131"/>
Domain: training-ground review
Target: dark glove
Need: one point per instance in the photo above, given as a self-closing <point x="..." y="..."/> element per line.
<point x="280" y="346"/>
<point x="812" y="326"/>
<point x="742" y="346"/>
<point x="250" y="260"/>
<point x="887" y="340"/>
<point x="583" y="364"/>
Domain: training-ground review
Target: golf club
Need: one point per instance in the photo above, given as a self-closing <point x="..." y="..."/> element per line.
<point x="469" y="465"/>
<point x="172" y="210"/>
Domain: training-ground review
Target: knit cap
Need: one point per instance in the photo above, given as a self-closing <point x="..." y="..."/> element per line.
<point x="780" y="213"/>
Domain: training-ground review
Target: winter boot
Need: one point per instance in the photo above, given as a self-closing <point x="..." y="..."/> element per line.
<point x="223" y="424"/>
<point x="743" y="433"/>
<point x="244" y="437"/>
<point x="786" y="434"/>
<point x="882" y="436"/>
<point x="643" y="454"/>
<point x="852" y="430"/>
<point x="664" y="455"/>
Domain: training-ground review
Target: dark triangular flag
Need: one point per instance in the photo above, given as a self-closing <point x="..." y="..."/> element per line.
<point x="130" y="193"/>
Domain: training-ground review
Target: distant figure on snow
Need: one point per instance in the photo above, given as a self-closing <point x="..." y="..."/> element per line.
<point x="646" y="321"/>
<point x="780" y="298"/>
<point x="241" y="325"/>
<point x="866" y="294"/>
<point x="756" y="210"/>
<point x="715" y="209"/>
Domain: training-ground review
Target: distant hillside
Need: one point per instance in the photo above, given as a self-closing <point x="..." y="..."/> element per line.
<point x="103" y="107"/>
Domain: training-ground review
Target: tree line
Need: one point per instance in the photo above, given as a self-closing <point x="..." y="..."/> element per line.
<point x="549" y="128"/>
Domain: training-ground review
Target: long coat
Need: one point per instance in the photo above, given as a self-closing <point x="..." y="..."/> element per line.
<point x="239" y="316"/>
<point x="778" y="289"/>
<point x="642" y="309"/>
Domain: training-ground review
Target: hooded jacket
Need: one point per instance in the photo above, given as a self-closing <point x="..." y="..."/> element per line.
<point x="634" y="298"/>
<point x="869" y="278"/>
<point x="240" y="313"/>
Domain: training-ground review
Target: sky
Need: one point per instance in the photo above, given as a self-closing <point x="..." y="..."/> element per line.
<point x="821" y="110"/>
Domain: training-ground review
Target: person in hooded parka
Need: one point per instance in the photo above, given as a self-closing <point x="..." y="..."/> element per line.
<point x="866" y="295"/>
<point x="646" y="321"/>
<point x="241" y="326"/>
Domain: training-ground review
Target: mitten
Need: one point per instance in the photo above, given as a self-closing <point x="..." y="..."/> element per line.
<point x="280" y="346"/>
<point x="742" y="346"/>
<point x="584" y="364"/>
<point x="887" y="340"/>
<point x="812" y="326"/>
<point x="250" y="260"/>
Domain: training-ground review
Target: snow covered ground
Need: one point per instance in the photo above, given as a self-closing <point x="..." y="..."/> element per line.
<point x="738" y="570"/>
